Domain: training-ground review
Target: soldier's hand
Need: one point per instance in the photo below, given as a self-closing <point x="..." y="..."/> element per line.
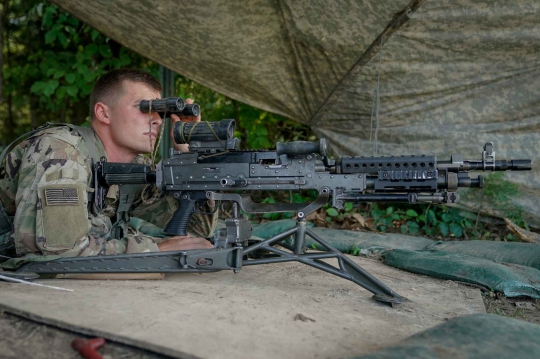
<point x="176" y="118"/>
<point x="180" y="243"/>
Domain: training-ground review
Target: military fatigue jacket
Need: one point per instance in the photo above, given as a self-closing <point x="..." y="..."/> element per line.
<point x="45" y="186"/>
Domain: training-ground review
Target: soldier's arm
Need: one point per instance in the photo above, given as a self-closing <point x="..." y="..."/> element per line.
<point x="52" y="215"/>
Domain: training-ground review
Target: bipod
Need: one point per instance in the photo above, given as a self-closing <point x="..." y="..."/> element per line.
<point x="347" y="269"/>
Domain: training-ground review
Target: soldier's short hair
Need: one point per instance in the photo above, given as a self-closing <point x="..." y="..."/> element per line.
<point x="109" y="85"/>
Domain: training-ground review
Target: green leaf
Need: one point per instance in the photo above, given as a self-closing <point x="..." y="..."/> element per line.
<point x="39" y="9"/>
<point x="456" y="229"/>
<point x="269" y="199"/>
<point x="404" y="229"/>
<point x="422" y="218"/>
<point x="50" y="36"/>
<point x="73" y="21"/>
<point x="447" y="217"/>
<point x="91" y="50"/>
<point x="58" y="74"/>
<point x="348" y="206"/>
<point x="431" y="218"/>
<point x="287" y="215"/>
<point x="62" y="39"/>
<point x="396" y="217"/>
<point x="61" y="92"/>
<point x="90" y="76"/>
<point x="125" y="60"/>
<point x="105" y="51"/>
<point x="332" y="212"/>
<point x="49" y="87"/>
<point x="443" y="227"/>
<point x="411" y="213"/>
<point x="70" y="78"/>
<point x="414" y="228"/>
<point x="72" y="90"/>
<point x="95" y="35"/>
<point x="389" y="210"/>
<point x="37" y="87"/>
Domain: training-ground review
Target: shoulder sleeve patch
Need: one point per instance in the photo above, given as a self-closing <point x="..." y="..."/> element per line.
<point x="62" y="196"/>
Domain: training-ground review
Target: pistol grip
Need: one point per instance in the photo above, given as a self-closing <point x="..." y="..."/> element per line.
<point x="178" y="224"/>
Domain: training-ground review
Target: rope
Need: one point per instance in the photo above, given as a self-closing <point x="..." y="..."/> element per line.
<point x="375" y="107"/>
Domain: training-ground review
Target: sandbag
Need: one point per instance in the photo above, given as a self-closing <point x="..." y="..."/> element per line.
<point x="525" y="254"/>
<point x="470" y="337"/>
<point x="511" y="279"/>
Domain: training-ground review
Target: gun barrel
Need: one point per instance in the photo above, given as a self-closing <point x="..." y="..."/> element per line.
<point x="500" y="165"/>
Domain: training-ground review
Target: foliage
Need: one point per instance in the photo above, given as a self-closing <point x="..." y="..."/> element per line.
<point x="498" y="194"/>
<point x="256" y="128"/>
<point x="51" y="61"/>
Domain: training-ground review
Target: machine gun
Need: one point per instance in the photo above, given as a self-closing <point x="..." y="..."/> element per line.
<point x="215" y="169"/>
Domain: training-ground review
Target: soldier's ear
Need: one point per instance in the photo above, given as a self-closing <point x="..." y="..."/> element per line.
<point x="102" y="113"/>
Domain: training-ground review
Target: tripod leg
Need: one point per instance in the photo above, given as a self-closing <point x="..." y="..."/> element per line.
<point x="357" y="274"/>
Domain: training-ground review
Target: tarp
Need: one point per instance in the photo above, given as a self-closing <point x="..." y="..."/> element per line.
<point x="451" y="75"/>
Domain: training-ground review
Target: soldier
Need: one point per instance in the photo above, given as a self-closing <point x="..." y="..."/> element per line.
<point x="48" y="180"/>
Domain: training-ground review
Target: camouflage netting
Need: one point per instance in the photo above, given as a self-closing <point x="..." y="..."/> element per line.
<point x="453" y="75"/>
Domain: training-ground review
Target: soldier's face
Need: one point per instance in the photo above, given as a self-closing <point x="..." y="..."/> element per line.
<point x="131" y="129"/>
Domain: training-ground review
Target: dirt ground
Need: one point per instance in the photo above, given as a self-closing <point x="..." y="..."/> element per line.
<point x="23" y="338"/>
<point x="519" y="308"/>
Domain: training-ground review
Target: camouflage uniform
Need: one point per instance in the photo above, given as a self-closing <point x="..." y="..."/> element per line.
<point x="45" y="186"/>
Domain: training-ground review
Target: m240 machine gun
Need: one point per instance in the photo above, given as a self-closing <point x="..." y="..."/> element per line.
<point x="215" y="169"/>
